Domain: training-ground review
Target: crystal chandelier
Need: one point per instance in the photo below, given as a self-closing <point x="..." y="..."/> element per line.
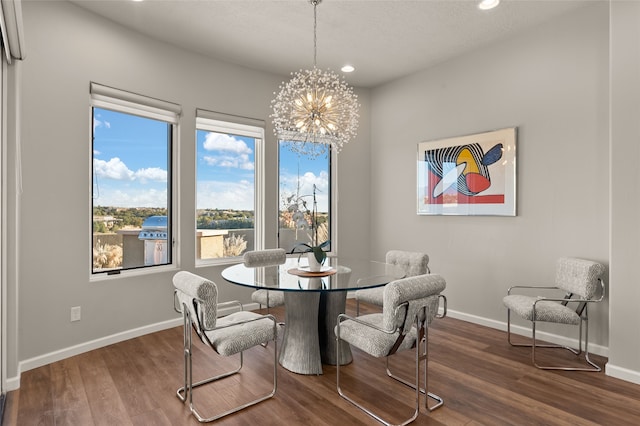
<point x="315" y="110"/>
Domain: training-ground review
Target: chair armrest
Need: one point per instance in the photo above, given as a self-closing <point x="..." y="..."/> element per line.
<point x="343" y="317"/>
<point x="553" y="299"/>
<point x="176" y="303"/>
<point x="230" y="303"/>
<point x="367" y="280"/>
<point x="531" y="287"/>
<point x="200" y="311"/>
<point x="267" y="316"/>
<point x="444" y="305"/>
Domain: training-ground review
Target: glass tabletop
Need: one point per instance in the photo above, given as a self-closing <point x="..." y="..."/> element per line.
<point x="337" y="274"/>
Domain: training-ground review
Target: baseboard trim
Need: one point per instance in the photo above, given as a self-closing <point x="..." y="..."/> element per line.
<point x="61" y="354"/>
<point x="622" y="373"/>
<point x="526" y="332"/>
<point x="251" y="306"/>
<point x="13" y="383"/>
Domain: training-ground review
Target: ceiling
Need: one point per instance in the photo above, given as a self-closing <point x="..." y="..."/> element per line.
<point x="384" y="40"/>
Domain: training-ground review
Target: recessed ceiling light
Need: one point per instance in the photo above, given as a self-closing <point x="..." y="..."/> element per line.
<point x="347" y="68"/>
<point x="488" y="4"/>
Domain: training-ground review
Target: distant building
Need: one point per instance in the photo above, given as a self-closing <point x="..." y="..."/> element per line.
<point x="109" y="221"/>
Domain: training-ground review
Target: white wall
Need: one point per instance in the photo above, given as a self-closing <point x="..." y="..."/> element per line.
<point x="552" y="83"/>
<point x="624" y="334"/>
<point x="67" y="48"/>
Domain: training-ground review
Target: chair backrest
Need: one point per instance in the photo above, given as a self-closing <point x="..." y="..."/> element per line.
<point x="578" y="276"/>
<point x="415" y="292"/>
<point x="201" y="297"/>
<point x="268" y="257"/>
<point x="413" y="263"/>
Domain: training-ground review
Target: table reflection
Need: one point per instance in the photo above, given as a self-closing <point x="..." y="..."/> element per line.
<point x="312" y="304"/>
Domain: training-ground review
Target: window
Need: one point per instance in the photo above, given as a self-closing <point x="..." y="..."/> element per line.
<point x="305" y="191"/>
<point x="229" y="208"/>
<point x="132" y="143"/>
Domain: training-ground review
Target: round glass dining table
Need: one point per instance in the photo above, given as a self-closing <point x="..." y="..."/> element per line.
<point x="312" y="304"/>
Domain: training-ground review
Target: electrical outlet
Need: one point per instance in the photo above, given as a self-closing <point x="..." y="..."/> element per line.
<point x="75" y="313"/>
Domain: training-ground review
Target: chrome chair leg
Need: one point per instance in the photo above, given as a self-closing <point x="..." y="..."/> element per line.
<point x="371" y="413"/>
<point x="418" y="358"/>
<point x="425" y="356"/>
<point x="577" y="352"/>
<point x="182" y="393"/>
<point x="186" y="392"/>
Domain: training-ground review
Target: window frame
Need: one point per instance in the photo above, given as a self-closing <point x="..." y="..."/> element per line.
<point x="241" y="126"/>
<point x="333" y="198"/>
<point x="121" y="101"/>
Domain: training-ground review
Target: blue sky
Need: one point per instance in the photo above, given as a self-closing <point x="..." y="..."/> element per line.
<point x="294" y="168"/>
<point x="130" y="166"/>
<point x="129" y="160"/>
<point x="225" y="172"/>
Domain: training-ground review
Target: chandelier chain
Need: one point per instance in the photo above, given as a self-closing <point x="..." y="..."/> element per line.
<point x="315" y="34"/>
<point x="316" y="110"/>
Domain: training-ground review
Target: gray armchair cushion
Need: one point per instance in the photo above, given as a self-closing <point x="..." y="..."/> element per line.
<point x="374" y="342"/>
<point x="276" y="298"/>
<point x="412" y="263"/>
<point x="371" y="295"/>
<point x="239" y="337"/>
<point x="269" y="257"/>
<point x="226" y="335"/>
<point x="548" y="311"/>
<point x="578" y="276"/>
<point x="191" y="286"/>
<point x="416" y="292"/>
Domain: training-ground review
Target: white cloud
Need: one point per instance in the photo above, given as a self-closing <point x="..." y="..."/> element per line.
<point x="321" y="181"/>
<point x="225" y="195"/>
<point x="116" y="169"/>
<point x="236" y="162"/>
<point x="155" y="174"/>
<point x="138" y="197"/>
<point x="228" y="152"/>
<point x="224" y="142"/>
<point x="99" y="123"/>
<point x="112" y="169"/>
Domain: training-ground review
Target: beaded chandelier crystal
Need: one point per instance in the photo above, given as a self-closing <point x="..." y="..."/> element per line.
<point x="315" y="110"/>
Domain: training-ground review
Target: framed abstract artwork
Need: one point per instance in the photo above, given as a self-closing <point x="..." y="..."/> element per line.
<point x="468" y="175"/>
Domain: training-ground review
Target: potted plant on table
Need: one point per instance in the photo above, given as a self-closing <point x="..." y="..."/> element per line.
<point x="315" y="254"/>
<point x="315" y="250"/>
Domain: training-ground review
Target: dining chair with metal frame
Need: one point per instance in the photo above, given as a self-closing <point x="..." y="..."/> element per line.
<point x="409" y="306"/>
<point x="197" y="299"/>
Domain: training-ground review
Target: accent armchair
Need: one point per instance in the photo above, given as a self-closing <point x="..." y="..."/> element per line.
<point x="581" y="280"/>
<point x="269" y="257"/>
<point x="413" y="263"/>
<point x="197" y="299"/>
<point x="409" y="306"/>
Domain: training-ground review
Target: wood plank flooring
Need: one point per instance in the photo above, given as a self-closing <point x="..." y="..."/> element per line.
<point x="482" y="379"/>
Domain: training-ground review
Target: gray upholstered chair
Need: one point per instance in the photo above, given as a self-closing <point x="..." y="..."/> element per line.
<point x="409" y="306"/>
<point x="582" y="281"/>
<point x="413" y="263"/>
<point x="269" y="257"/>
<point x="197" y="299"/>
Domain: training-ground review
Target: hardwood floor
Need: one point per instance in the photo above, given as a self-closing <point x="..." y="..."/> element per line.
<point x="482" y="379"/>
